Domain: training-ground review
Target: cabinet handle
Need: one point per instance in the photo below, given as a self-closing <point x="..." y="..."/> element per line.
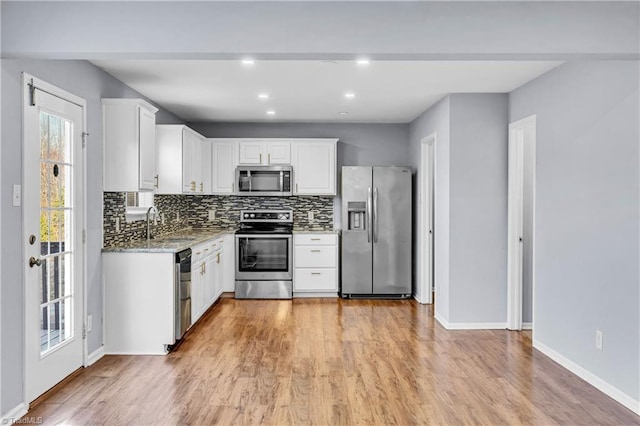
<point x="193" y="185"/>
<point x="296" y="186"/>
<point x="201" y="187"/>
<point x="232" y="186"/>
<point x="269" y="158"/>
<point x="157" y="181"/>
<point x="218" y="258"/>
<point x="316" y="273"/>
<point x="315" y="251"/>
<point x="260" y="158"/>
<point x="315" y="239"/>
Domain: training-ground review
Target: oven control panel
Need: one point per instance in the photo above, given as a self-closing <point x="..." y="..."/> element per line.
<point x="272" y="216"/>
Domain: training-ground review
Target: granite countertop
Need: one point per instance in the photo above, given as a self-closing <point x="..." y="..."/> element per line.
<point x="171" y="243"/>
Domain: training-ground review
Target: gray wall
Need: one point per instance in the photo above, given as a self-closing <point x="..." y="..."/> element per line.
<point x="470" y="204"/>
<point x="478" y="208"/>
<point x="316" y="30"/>
<point x="87" y="81"/>
<point x="359" y="145"/>
<point x="587" y="210"/>
<point x="435" y="119"/>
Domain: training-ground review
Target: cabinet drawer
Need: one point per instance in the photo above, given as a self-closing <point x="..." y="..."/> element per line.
<point x="315" y="239"/>
<point x="315" y="256"/>
<point x="308" y="279"/>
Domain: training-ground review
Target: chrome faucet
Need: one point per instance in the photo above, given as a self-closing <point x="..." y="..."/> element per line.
<point x="149" y="236"/>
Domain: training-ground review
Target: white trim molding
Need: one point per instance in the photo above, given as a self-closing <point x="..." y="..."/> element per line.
<point x="527" y="326"/>
<point x="14" y="414"/>
<point x="470" y="325"/>
<point x="94" y="356"/>
<point x="595" y="381"/>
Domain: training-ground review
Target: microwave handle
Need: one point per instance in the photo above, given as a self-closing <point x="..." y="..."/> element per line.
<point x="281" y="180"/>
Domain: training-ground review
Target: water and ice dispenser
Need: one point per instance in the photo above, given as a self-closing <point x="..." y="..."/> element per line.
<point x="357" y="213"/>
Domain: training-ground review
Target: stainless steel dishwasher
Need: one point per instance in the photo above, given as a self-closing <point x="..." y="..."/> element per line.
<point x="183" y="292"/>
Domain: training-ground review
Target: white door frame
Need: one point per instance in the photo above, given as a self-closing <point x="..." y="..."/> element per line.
<point x="26" y="99"/>
<point x="515" y="254"/>
<point x="426" y="196"/>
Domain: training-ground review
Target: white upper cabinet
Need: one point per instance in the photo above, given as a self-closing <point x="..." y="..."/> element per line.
<point x="314" y="166"/>
<point x="181" y="164"/>
<point x="265" y="152"/>
<point x="224" y="154"/>
<point x="129" y="145"/>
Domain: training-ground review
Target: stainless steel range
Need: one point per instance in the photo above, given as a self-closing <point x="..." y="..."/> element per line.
<point x="264" y="255"/>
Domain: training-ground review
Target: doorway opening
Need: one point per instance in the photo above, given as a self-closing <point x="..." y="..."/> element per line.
<point x="521" y="224"/>
<point x="53" y="234"/>
<point x="426" y="247"/>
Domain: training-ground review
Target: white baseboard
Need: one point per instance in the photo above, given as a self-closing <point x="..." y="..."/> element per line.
<point x="14" y="414"/>
<point x="589" y="377"/>
<point x="95" y="356"/>
<point x="470" y="325"/>
<point x="420" y="300"/>
<point x="527" y="326"/>
<point x="299" y="295"/>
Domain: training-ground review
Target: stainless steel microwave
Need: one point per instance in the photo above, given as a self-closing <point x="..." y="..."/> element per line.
<point x="264" y="180"/>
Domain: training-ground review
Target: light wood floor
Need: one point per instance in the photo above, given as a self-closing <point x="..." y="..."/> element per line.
<point x="332" y="362"/>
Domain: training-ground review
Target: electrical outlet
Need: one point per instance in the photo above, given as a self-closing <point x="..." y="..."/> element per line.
<point x="212" y="215"/>
<point x="89" y="323"/>
<point x="117" y="224"/>
<point x="311" y="216"/>
<point x="599" y="340"/>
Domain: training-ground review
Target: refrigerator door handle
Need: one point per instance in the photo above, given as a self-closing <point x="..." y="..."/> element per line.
<point x="369" y="217"/>
<point x="375" y="215"/>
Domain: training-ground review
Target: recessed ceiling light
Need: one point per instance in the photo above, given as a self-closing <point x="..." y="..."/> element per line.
<point x="263" y="96"/>
<point x="271" y="112"/>
<point x="363" y="62"/>
<point x="248" y="61"/>
<point x="343" y="113"/>
<point x="349" y="95"/>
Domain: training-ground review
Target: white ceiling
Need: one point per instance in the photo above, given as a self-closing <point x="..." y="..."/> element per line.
<point x="313" y="91"/>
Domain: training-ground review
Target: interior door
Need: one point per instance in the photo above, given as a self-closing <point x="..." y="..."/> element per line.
<point x="391" y="230"/>
<point x="53" y="212"/>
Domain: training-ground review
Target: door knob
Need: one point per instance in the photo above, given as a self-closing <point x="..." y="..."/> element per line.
<point x="33" y="261"/>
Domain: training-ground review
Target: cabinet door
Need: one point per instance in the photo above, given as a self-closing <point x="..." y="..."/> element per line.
<point x="314" y="168"/>
<point x="251" y="152"/>
<point x="279" y="152"/>
<point x="147" y="150"/>
<point x="219" y="273"/>
<point x="210" y="276"/>
<point x="205" y="161"/>
<point x="196" y="291"/>
<point x="224" y="163"/>
<point x="228" y="264"/>
<point x="188" y="181"/>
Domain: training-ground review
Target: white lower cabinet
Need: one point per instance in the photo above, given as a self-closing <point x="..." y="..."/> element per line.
<point x="139" y="302"/>
<point x="206" y="276"/>
<point x="315" y="264"/>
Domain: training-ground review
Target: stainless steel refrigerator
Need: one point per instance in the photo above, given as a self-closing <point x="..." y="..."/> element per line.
<point x="376" y="232"/>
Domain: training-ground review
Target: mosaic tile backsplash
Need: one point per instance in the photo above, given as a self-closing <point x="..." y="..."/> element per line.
<point x="182" y="211"/>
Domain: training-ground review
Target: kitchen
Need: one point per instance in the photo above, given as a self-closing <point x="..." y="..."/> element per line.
<point x="360" y="144"/>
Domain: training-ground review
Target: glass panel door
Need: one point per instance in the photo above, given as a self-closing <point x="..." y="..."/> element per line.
<point x="56" y="227"/>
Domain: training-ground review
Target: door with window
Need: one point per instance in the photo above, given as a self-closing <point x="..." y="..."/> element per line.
<point x="53" y="213"/>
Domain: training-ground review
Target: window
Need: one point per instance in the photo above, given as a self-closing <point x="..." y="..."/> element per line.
<point x="137" y="204"/>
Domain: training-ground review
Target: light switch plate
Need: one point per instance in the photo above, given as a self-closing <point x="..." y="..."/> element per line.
<point x="212" y="215"/>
